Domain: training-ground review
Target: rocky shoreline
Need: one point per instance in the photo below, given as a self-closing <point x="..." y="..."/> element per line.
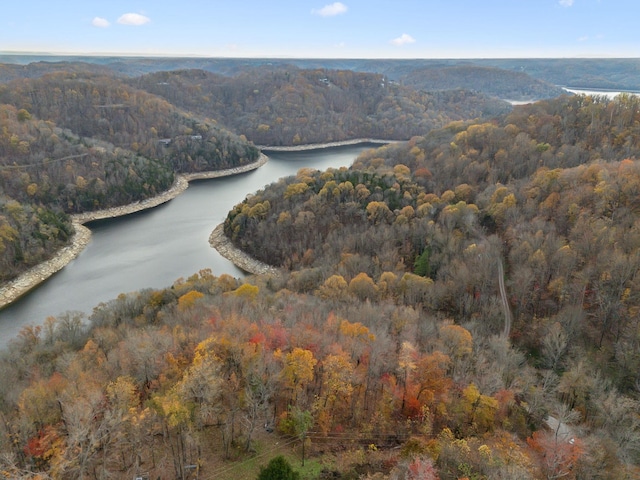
<point x="240" y="259"/>
<point x="180" y="185"/>
<point x="30" y="279"/>
<point x="317" y="146"/>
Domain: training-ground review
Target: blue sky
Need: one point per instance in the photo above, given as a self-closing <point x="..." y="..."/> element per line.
<point x="323" y="28"/>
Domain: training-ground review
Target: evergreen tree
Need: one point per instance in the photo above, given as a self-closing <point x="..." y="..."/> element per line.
<point x="278" y="469"/>
<point x="421" y="266"/>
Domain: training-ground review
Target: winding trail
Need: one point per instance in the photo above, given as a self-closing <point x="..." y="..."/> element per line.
<point x="508" y="318"/>
<point x="561" y="431"/>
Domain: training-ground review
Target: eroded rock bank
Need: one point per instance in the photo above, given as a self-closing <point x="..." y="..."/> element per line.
<point x="240" y="259"/>
<point x="11" y="291"/>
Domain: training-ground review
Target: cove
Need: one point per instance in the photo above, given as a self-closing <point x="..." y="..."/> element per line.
<point x="155" y="247"/>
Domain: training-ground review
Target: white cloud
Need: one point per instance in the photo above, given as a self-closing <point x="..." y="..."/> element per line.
<point x="403" y="40"/>
<point x="586" y="38"/>
<point x="332" y="10"/>
<point x="133" y="19"/>
<point x="566" y="3"/>
<point x="100" y="22"/>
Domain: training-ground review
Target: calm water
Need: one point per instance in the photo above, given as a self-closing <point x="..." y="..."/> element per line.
<point x="158" y="246"/>
<point x="607" y="93"/>
<point x="610" y="94"/>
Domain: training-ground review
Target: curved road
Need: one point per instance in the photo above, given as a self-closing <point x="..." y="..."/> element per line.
<point x="508" y="318"/>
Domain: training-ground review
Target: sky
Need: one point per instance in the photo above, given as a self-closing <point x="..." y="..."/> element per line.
<point x="323" y="28"/>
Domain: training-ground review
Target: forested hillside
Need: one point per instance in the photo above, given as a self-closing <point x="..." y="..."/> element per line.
<point x="35" y="68"/>
<point x="549" y="194"/>
<point x="105" y="108"/>
<point x="488" y="80"/>
<point x="46" y="171"/>
<point x="469" y="160"/>
<point x="213" y="371"/>
<point x="610" y="73"/>
<point x="388" y="345"/>
<point x="287" y="106"/>
<point x="461" y="305"/>
<point x="72" y="143"/>
<point x="77" y="141"/>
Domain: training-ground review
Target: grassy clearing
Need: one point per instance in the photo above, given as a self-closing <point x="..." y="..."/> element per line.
<point x="248" y="468"/>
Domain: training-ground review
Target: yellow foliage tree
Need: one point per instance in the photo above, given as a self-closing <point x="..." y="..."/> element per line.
<point x="187" y="300"/>
<point x="247" y="292"/>
<point x="298" y="368"/>
<point x="334" y="288"/>
<point x="363" y="287"/>
<point x="295" y="189"/>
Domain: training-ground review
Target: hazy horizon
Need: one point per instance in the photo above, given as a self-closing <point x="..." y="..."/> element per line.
<point x="372" y="29"/>
<point x="285" y="57"/>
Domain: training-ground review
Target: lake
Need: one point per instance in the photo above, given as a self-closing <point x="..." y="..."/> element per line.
<point x="607" y="93"/>
<point x="156" y="247"/>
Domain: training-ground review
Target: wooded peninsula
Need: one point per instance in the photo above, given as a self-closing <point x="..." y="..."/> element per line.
<point x="461" y="303"/>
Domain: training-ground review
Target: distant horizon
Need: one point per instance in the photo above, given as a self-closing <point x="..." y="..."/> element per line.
<point x="286" y="57"/>
<point x="327" y="29"/>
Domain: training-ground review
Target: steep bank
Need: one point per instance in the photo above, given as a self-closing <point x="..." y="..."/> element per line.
<point x="16" y="288"/>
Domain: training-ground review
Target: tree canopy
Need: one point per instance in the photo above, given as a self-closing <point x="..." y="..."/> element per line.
<point x="381" y="346"/>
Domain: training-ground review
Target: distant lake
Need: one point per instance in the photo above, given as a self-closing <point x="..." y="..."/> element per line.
<point x="520" y="102"/>
<point x="152" y="249"/>
<point x="606" y="93"/>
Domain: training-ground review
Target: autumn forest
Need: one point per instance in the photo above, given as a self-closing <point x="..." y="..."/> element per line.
<point x="461" y="303"/>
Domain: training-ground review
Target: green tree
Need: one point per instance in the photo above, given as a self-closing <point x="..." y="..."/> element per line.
<point x="421" y="266"/>
<point x="278" y="469"/>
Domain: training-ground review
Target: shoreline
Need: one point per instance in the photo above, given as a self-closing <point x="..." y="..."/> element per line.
<point x="21" y="285"/>
<point x="27" y="281"/>
<point x="318" y="146"/>
<point x="240" y="259"/>
<point x="219" y="241"/>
